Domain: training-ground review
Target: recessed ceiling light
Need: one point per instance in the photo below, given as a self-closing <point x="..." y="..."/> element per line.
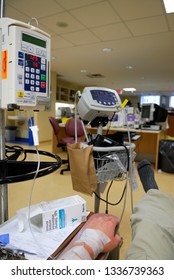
<point x="129" y="89"/>
<point x="83" y="71"/>
<point x="107" y="50"/>
<point x="62" y="24"/>
<point x="169" y="6"/>
<point x="129" y="67"/>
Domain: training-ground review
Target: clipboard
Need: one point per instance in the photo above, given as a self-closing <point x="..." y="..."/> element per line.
<point x="24" y="241"/>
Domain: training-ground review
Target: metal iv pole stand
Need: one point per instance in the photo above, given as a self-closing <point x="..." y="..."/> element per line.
<point x="4" y="187"/>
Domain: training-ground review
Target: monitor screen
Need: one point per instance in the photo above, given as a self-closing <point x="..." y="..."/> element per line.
<point x="153" y="113"/>
<point x="160" y="114"/>
<point x="147" y="112"/>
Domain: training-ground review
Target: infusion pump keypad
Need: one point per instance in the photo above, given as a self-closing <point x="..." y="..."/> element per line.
<point x="34" y="72"/>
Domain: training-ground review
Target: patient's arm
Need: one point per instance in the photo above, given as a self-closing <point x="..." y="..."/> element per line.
<point x="97" y="237"/>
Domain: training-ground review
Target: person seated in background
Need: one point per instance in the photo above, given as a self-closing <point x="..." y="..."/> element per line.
<point x="152" y="225"/>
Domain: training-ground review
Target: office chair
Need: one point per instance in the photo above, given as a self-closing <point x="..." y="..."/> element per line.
<point x="73" y="128"/>
<point x="60" y="142"/>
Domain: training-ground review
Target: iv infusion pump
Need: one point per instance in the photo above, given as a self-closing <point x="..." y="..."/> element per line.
<point x="25" y="65"/>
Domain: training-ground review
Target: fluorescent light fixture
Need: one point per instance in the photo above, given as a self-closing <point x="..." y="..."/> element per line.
<point x="107" y="50"/>
<point x="169" y="6"/>
<point x="129" y="89"/>
<point x="129" y="67"/>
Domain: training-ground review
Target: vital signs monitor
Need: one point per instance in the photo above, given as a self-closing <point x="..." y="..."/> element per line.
<point x="98" y="102"/>
<point x="25" y="65"/>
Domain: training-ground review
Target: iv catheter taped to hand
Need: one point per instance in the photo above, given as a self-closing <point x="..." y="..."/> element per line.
<point x="77" y="253"/>
<point x="95" y="239"/>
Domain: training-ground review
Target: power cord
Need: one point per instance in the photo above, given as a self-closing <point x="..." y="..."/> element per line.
<point x="15" y="151"/>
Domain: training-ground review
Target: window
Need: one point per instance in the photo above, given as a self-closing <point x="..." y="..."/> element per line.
<point x="171" y="102"/>
<point x="150" y="99"/>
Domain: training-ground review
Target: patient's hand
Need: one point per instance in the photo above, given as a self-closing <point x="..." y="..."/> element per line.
<point x="98" y="236"/>
<point x="107" y="224"/>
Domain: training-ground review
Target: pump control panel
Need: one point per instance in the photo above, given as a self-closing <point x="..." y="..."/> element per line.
<point x="25" y="65"/>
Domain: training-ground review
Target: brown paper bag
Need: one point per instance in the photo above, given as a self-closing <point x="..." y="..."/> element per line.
<point x="83" y="173"/>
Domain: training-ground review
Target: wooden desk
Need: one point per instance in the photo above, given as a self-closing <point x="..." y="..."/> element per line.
<point x="147" y="145"/>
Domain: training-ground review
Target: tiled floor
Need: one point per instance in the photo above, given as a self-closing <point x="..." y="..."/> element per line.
<point x="54" y="186"/>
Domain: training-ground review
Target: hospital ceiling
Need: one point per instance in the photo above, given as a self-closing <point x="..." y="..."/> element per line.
<point x="108" y="43"/>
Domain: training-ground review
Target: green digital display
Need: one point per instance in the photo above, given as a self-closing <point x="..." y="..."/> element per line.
<point x="33" y="40"/>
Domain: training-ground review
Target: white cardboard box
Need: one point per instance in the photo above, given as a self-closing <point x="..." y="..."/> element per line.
<point x="55" y="214"/>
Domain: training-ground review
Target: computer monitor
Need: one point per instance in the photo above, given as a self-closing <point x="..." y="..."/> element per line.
<point x="152" y="113"/>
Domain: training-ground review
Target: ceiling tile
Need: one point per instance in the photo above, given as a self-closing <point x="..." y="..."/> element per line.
<point x="72" y="4"/>
<point x="72" y="23"/>
<point x="170" y="18"/>
<point x="148" y="26"/>
<point x="57" y="42"/>
<point x="81" y="37"/>
<point x="13" y="13"/>
<point x="96" y="15"/>
<point x="135" y="9"/>
<point x="43" y="7"/>
<point x="47" y="30"/>
<point x="112" y="32"/>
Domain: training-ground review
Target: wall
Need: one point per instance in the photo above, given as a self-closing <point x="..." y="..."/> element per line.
<point x="22" y="125"/>
<point x="133" y="99"/>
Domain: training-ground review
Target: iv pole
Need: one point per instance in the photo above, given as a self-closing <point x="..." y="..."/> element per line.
<point x="4" y="187"/>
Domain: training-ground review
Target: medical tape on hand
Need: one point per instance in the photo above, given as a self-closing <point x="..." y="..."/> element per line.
<point x="77" y="253"/>
<point x="95" y="239"/>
